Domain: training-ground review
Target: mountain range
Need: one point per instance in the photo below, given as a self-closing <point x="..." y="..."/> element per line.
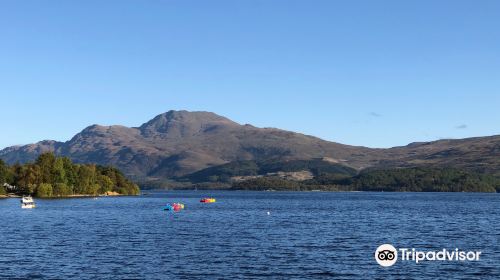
<point x="178" y="143"/>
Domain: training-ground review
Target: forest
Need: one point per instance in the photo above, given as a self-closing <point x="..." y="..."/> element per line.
<point x="51" y="176"/>
<point x="416" y="179"/>
<point x="223" y="173"/>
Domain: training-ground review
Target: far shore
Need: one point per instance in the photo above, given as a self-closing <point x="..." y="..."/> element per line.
<point x="145" y="192"/>
<point x="11" y="195"/>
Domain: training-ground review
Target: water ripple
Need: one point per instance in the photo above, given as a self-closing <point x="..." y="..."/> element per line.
<point x="306" y="236"/>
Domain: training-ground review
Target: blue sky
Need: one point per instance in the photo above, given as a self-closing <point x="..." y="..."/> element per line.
<point x="372" y="73"/>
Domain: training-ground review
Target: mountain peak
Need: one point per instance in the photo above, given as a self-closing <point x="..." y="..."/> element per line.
<point x="93" y="128"/>
<point x="186" y="116"/>
<point x="184" y="123"/>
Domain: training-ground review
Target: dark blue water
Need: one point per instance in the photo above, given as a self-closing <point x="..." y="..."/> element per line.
<point x="306" y="236"/>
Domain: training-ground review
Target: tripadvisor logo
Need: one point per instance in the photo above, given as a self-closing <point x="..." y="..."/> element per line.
<point x="387" y="255"/>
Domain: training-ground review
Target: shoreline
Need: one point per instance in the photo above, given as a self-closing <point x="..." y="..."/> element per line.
<point x="229" y="190"/>
<point x="108" y="194"/>
<point x="304" y="191"/>
<point x="10" y="196"/>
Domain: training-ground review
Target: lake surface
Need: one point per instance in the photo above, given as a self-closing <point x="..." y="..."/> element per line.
<point x="310" y="235"/>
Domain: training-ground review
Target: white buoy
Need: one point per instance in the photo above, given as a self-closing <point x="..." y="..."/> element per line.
<point x="268" y="213"/>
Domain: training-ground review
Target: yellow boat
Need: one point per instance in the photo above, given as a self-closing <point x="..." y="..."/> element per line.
<point x="207" y="200"/>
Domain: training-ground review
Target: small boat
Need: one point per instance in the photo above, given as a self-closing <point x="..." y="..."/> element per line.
<point x="179" y="206"/>
<point x="168" y="207"/>
<point x="207" y="200"/>
<point x="174" y="207"/>
<point x="27" y="202"/>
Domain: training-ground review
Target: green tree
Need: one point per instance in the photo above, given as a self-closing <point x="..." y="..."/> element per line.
<point x="92" y="189"/>
<point x="58" y="171"/>
<point x="70" y="171"/>
<point x="46" y="163"/>
<point x="105" y="183"/>
<point x="86" y="179"/>
<point x="61" y="189"/>
<point x="44" y="190"/>
<point x="26" y="178"/>
<point x="4" y="171"/>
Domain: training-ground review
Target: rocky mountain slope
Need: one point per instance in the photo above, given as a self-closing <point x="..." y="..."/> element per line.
<point x="177" y="143"/>
<point x="481" y="154"/>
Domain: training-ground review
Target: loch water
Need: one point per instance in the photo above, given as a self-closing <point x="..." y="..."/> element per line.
<point x="248" y="235"/>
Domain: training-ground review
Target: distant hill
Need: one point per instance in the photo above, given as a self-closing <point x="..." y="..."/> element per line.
<point x="179" y="143"/>
<point x="412" y="179"/>
<point x="224" y="172"/>
<point x="478" y="154"/>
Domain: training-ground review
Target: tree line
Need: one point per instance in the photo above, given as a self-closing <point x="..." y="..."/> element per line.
<point x="51" y="176"/>
<point x="417" y="179"/>
<point x="423" y="179"/>
<point x="224" y="173"/>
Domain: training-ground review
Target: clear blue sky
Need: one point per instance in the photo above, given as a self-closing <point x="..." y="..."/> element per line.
<point x="373" y="73"/>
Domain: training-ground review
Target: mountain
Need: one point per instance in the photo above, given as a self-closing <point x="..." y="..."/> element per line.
<point x="479" y="154"/>
<point x="178" y="143"/>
